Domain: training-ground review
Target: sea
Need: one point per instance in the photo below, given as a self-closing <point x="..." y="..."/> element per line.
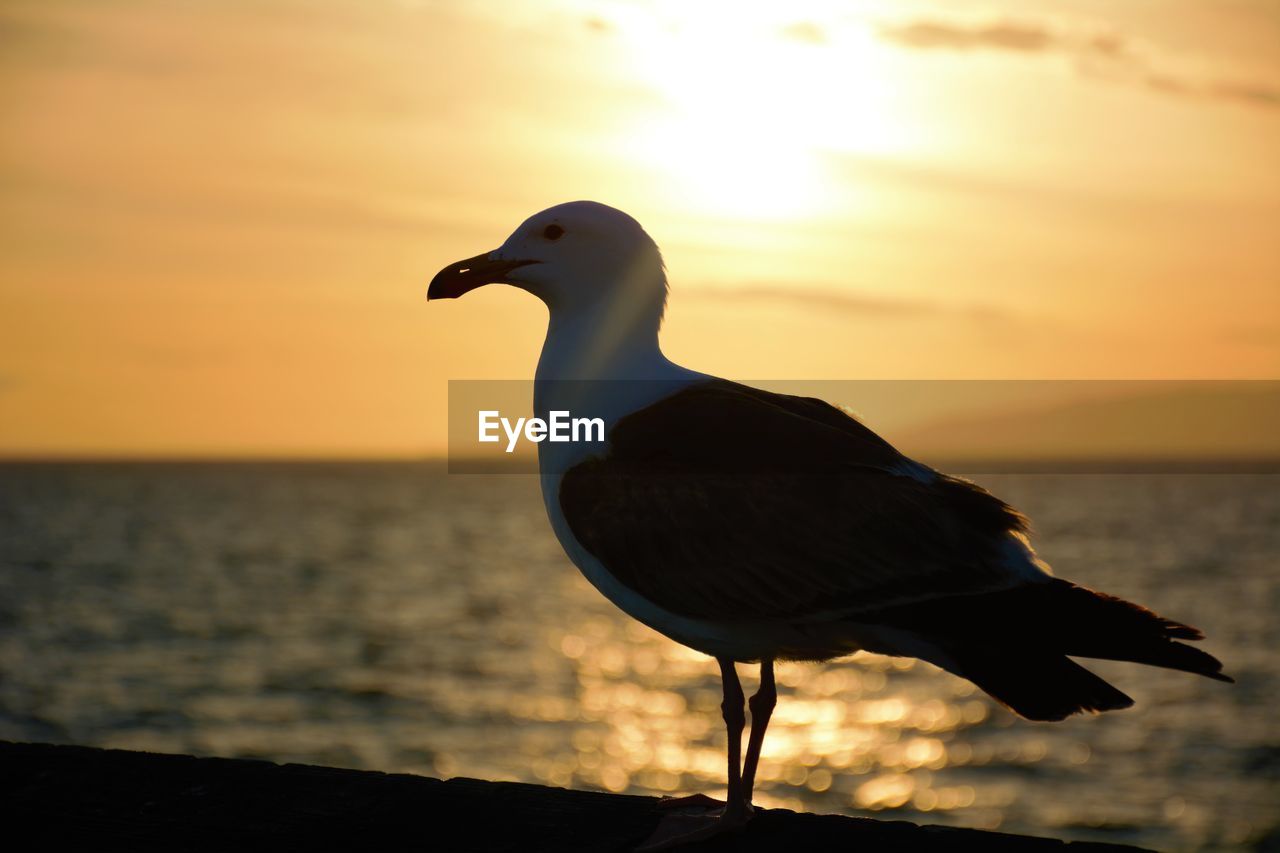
<point x="391" y="616"/>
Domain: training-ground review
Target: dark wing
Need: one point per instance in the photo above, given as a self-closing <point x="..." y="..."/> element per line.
<point x="728" y="502"/>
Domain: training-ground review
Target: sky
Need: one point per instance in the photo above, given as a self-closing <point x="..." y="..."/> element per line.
<point x="218" y="219"/>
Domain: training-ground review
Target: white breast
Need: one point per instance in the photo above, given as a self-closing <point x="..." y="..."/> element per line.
<point x="612" y="400"/>
<point x="632" y="377"/>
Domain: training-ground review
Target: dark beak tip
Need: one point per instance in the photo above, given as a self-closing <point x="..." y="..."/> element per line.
<point x="439" y="289"/>
<point x="464" y="276"/>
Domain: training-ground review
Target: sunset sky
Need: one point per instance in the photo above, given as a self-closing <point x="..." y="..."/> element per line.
<point x="218" y="219"/>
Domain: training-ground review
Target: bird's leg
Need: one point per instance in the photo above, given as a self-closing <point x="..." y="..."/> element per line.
<point x="676" y="830"/>
<point x="734" y="720"/>
<point x="761" y="709"/>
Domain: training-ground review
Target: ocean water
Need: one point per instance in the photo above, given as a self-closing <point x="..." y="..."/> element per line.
<point x="392" y="617"/>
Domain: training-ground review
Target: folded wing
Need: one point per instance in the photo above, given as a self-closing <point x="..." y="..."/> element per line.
<point x="728" y="502"/>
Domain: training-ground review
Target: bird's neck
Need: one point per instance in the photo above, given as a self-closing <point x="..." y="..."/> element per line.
<point x="590" y="344"/>
<point x="602" y="365"/>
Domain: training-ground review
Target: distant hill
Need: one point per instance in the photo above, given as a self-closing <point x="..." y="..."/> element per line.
<point x="1233" y="421"/>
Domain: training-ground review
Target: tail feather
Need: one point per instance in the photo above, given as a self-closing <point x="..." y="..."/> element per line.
<point x="1162" y="653"/>
<point x="1062" y="618"/>
<point x="1066" y="604"/>
<point x="1015" y="643"/>
<point x="1042" y="686"/>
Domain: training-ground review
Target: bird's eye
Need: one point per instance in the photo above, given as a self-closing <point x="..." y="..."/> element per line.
<point x="553" y="232"/>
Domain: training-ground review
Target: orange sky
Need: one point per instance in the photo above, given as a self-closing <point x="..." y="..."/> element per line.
<point x="217" y="220"/>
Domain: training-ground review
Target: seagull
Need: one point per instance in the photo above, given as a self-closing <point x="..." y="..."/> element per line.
<point x="755" y="526"/>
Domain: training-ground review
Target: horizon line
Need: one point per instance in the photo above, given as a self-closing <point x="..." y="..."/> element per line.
<point x="975" y="464"/>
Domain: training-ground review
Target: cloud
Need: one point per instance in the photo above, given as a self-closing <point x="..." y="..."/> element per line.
<point x="598" y="25"/>
<point x="1258" y="94"/>
<point x="1101" y="55"/>
<point x="846" y="302"/>
<point x="998" y="36"/>
<point x="805" y="31"/>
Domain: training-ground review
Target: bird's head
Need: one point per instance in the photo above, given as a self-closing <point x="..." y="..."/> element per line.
<point x="572" y="256"/>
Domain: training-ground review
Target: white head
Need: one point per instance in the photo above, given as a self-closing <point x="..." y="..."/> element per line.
<point x="577" y="257"/>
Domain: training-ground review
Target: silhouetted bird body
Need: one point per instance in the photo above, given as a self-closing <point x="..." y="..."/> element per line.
<point x="756" y="526"/>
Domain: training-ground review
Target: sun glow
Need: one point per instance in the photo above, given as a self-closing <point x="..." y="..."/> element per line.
<point x="730" y="171"/>
<point x="755" y="105"/>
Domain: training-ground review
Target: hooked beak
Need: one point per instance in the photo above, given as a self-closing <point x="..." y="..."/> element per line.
<point x="463" y="276"/>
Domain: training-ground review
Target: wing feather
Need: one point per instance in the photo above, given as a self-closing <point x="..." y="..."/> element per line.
<point x="728" y="502"/>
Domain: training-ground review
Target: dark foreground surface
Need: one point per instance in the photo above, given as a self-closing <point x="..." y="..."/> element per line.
<point x="81" y="798"/>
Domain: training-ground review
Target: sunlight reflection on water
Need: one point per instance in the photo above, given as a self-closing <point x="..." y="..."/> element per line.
<point x="389" y="617"/>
